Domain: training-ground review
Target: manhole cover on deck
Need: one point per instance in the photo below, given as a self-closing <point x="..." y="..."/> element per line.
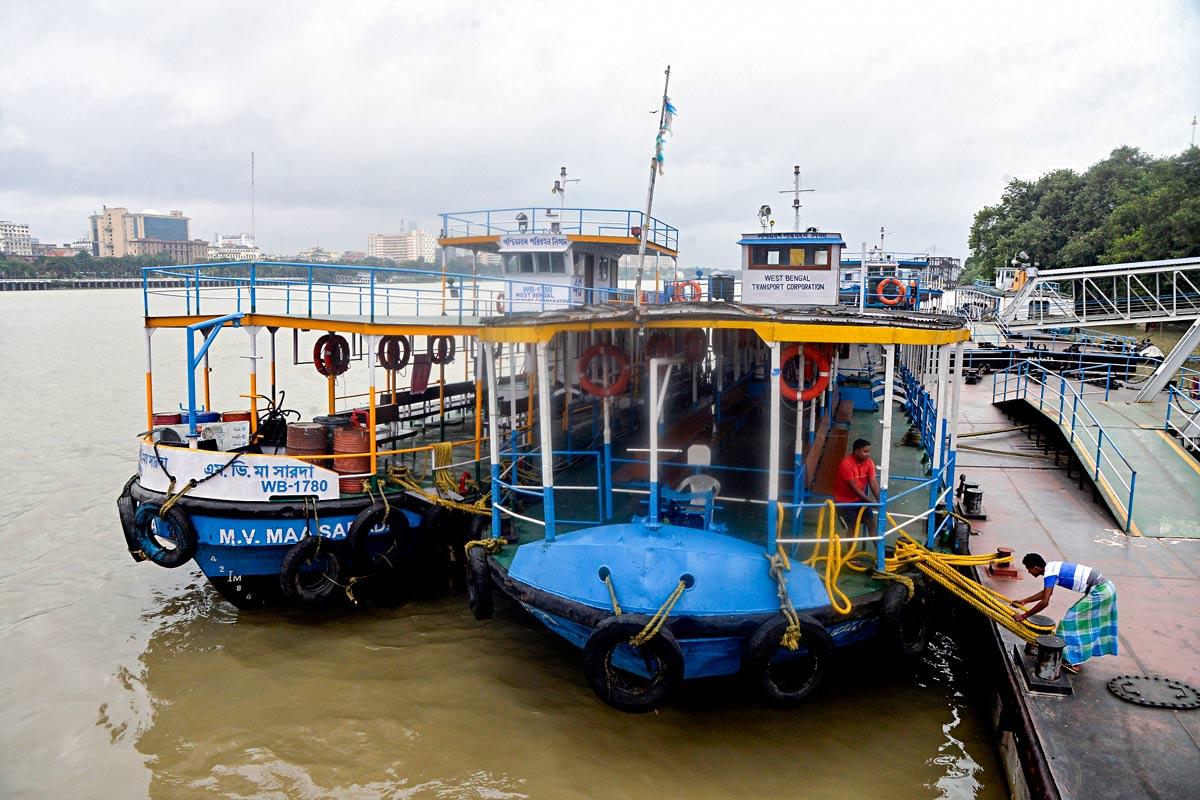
<point x="1152" y="690"/>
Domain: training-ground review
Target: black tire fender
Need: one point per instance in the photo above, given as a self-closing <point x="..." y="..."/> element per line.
<point x="766" y="642"/>
<point x="360" y="561"/>
<point x="175" y="526"/>
<point x="662" y="655"/>
<point x="479" y="584"/>
<point x="127" y="513"/>
<point x="904" y="622"/>
<point x="296" y="581"/>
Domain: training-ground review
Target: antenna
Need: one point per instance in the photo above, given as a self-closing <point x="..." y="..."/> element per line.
<point x="796" y="191"/>
<point x="251" y="194"/>
<point x="881" y="235"/>
<point x="560" y="187"/>
<point x="1194" y="123"/>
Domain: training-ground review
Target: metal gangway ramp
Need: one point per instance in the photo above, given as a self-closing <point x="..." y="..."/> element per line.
<point x="1110" y="294"/>
<point x="1146" y="478"/>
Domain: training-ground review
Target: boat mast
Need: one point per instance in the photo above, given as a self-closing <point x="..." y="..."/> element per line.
<point x="655" y="166"/>
<point x="796" y="191"/>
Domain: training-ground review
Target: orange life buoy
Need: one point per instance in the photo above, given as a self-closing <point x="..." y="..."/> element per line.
<point x="813" y="356"/>
<point x="617" y="385"/>
<point x="885" y="299"/>
<point x="681" y="293"/>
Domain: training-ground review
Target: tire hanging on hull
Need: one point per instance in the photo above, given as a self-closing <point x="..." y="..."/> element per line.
<point x="620" y="689"/>
<point x="791" y="679"/>
<point x="312" y="571"/>
<point x="169" y="539"/>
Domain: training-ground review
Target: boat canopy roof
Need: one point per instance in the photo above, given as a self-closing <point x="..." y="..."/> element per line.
<point x="836" y="324"/>
<point x="784" y="237"/>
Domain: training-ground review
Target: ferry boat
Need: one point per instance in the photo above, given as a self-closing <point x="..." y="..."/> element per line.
<point x="893" y="280"/>
<point x="375" y="498"/>
<point x="696" y="536"/>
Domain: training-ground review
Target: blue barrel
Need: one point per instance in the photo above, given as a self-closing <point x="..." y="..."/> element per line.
<point x="203" y="416"/>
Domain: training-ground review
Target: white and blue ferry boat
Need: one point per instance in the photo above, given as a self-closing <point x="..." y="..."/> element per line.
<point x="375" y="497"/>
<point x="695" y="536"/>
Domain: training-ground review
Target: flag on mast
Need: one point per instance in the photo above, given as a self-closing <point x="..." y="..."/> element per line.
<point x="668" y="120"/>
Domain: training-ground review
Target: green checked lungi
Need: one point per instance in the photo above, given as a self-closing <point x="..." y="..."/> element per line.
<point x="1090" y="626"/>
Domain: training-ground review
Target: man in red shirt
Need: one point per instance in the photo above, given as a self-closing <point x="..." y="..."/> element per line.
<point x="856" y="483"/>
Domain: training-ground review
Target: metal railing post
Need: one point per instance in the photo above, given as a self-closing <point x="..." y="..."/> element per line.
<point x="372" y="304"/>
<point x="1107" y="383"/>
<point x="1099" y="444"/>
<point x="1062" y="397"/>
<point x="253" y="287"/>
<point x="1074" y="409"/>
<point x="1129" y="508"/>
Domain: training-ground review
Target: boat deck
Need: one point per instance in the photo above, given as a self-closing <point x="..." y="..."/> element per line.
<point x="1096" y="745"/>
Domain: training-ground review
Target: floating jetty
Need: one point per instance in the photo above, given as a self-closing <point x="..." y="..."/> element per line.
<point x="1089" y="743"/>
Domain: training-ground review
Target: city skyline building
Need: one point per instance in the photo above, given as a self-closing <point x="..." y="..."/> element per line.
<point x="116" y="232"/>
<point x="15" y="239"/>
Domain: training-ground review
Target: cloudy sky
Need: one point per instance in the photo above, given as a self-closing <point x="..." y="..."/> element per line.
<point x="905" y="115"/>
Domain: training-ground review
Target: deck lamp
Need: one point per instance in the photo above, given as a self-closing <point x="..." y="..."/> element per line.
<point x="522" y="222"/>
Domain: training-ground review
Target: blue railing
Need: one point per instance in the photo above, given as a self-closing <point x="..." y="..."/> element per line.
<point x="615" y="222"/>
<point x="1061" y="400"/>
<point x="364" y="292"/>
<point x="1181" y="403"/>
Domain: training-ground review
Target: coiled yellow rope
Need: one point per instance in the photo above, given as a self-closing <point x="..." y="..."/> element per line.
<point x="939" y="567"/>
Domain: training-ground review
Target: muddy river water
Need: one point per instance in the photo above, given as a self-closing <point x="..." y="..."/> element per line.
<point x="126" y="680"/>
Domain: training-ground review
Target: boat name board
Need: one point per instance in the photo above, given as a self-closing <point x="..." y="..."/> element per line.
<point x="790" y="287"/>
<point x="533" y="243"/>
<point x="251" y="477"/>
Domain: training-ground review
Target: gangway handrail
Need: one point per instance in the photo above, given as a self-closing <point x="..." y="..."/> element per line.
<point x="1190" y="431"/>
<point x="1026" y="372"/>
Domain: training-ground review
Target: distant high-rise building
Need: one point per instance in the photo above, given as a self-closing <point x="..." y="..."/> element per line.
<point x="414" y="245"/>
<point x="15" y="239"/>
<point x="234" y="247"/>
<point x="118" y="233"/>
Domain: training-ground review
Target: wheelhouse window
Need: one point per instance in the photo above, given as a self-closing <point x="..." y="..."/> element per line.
<point x="530" y="263"/>
<point x="813" y="257"/>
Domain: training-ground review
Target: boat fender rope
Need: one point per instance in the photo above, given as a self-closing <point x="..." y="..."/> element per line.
<point x="612" y="595"/>
<point x="656" y="622"/>
<point x="491" y="545"/>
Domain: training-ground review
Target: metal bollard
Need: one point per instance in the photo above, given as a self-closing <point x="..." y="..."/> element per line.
<point x="1049" y="656"/>
<point x="1042" y="621"/>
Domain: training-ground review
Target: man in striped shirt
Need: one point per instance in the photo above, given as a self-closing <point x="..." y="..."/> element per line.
<point x="1089" y="627"/>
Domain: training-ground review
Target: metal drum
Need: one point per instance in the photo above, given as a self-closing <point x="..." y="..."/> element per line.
<point x="167" y="418"/>
<point x="307" y="439"/>
<point x="351" y="440"/>
<point x="235" y="416"/>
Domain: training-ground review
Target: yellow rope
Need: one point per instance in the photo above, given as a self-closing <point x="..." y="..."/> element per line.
<point x="172" y="499"/>
<point x="612" y="594"/>
<point x="493" y="546"/>
<point x="402" y="476"/>
<point x="939" y="567"/>
<point x="779" y="564"/>
<point x="660" y="617"/>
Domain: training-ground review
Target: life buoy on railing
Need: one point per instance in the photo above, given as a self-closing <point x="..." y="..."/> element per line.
<point x="819" y="363"/>
<point x="331" y="354"/>
<point x="681" y="292"/>
<point x="616" y="385"/>
<point x="441" y="349"/>
<point x="394" y="352"/>
<point x="891" y="300"/>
